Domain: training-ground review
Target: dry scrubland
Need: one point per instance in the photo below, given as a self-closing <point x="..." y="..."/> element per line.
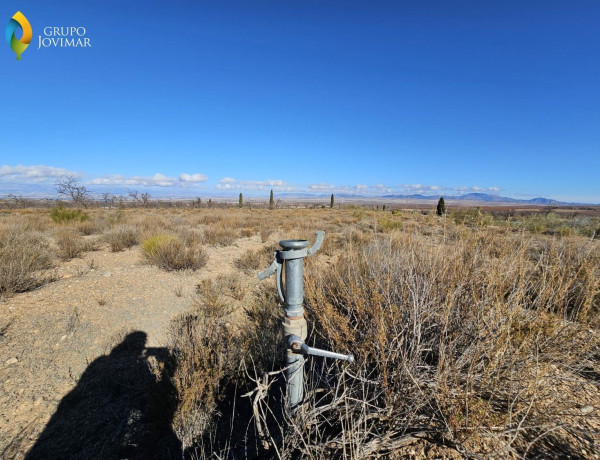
<point x="475" y="334"/>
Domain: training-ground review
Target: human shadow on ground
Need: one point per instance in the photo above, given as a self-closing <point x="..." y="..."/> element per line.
<point x="119" y="409"/>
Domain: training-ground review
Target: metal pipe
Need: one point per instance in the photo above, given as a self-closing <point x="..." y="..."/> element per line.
<point x="291" y="256"/>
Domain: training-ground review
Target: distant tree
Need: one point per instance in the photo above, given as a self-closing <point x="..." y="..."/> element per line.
<point x="331" y="203"/>
<point x="271" y="201"/>
<point x="441" y="207"/>
<point x="210" y="202"/>
<point x="71" y="188"/>
<point x="142" y="199"/>
<point x="241" y="200"/>
<point x="198" y="202"/>
<point x="384" y="207"/>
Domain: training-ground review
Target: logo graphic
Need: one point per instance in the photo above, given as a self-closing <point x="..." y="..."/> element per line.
<point x="18" y="45"/>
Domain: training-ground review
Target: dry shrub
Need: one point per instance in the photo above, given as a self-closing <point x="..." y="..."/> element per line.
<point x="170" y="252"/>
<point x="152" y="224"/>
<point x="461" y="343"/>
<point x="211" y="357"/>
<point x="122" y="237"/>
<point x="91" y="226"/>
<point x="210" y="301"/>
<point x="32" y="222"/>
<point x="71" y="244"/>
<point x="232" y="286"/>
<point x="265" y="233"/>
<point x="219" y="235"/>
<point x="24" y="255"/>
<point x="207" y="352"/>
<point x="255" y="259"/>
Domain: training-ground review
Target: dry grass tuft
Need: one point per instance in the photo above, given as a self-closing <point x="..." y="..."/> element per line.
<point x="217" y="235"/>
<point x="71" y="244"/>
<point x="170" y="252"/>
<point x="24" y="255"/>
<point x="122" y="237"/>
<point x="255" y="259"/>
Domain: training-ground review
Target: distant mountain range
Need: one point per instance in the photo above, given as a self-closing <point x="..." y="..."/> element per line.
<point x="471" y="197"/>
<point x="485" y="198"/>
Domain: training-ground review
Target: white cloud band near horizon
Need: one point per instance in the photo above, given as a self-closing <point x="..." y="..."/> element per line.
<point x="43" y="174"/>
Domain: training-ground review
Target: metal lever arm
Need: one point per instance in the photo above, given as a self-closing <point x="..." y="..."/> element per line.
<point x="270" y="270"/>
<point x="275" y="268"/>
<point x="318" y="242"/>
<point x="298" y="346"/>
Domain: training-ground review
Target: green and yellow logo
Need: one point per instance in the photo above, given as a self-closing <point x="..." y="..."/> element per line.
<point x="18" y="45"/>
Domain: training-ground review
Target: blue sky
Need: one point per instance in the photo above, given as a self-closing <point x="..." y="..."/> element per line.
<point x="209" y="97"/>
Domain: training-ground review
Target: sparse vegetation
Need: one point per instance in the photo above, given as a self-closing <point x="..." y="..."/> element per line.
<point x="24" y="256"/>
<point x="255" y="259"/>
<point x="71" y="244"/>
<point x="62" y="215"/>
<point x="169" y="252"/>
<point x="122" y="237"/>
<point x="479" y="332"/>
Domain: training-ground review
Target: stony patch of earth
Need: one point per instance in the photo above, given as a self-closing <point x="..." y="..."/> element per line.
<point x="50" y="336"/>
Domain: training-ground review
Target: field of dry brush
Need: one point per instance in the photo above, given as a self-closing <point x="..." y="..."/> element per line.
<point x="144" y="333"/>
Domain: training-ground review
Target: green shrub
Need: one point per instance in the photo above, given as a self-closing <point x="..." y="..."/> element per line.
<point x="169" y="252"/>
<point x="61" y="215"/>
<point x="388" y="225"/>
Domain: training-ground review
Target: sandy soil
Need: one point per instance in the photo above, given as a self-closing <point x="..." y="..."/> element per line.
<point x="50" y="336"/>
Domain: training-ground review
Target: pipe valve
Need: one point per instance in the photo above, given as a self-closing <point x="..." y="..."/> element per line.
<point x="297" y="345"/>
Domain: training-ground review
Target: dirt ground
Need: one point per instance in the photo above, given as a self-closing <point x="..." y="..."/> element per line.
<point x="50" y="336"/>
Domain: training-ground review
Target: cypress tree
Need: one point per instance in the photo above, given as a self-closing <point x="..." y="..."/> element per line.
<point x="210" y="202"/>
<point x="441" y="206"/>
<point x="241" y="200"/>
<point x="271" y="201"/>
<point x="331" y="203"/>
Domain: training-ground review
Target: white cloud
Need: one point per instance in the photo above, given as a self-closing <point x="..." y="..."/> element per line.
<point x="475" y="188"/>
<point x="33" y="174"/>
<point x="421" y="187"/>
<point x="193" y="178"/>
<point x="361" y="187"/>
<point x="321" y="186"/>
<point x="157" y="180"/>
<point x="228" y="183"/>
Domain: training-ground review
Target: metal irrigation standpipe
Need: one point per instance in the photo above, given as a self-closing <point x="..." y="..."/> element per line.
<point x="291" y="294"/>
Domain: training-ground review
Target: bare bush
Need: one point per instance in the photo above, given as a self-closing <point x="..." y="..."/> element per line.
<point x="71" y="244"/>
<point x="217" y="235"/>
<point x="122" y="237"/>
<point x="255" y="259"/>
<point x="24" y="256"/>
<point x="169" y="252"/>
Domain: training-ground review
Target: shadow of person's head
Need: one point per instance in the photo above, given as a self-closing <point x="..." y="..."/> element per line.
<point x="119" y="409"/>
<point x="133" y="343"/>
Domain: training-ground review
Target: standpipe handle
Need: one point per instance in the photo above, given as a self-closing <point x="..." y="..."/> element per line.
<point x="270" y="270"/>
<point x="275" y="268"/>
<point x="318" y="242"/>
<point x="298" y="346"/>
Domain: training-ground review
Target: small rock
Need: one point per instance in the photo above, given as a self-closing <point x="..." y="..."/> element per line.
<point x="63" y="337"/>
<point x="107" y="274"/>
<point x="11" y="361"/>
<point x="67" y="276"/>
<point x="586" y="409"/>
